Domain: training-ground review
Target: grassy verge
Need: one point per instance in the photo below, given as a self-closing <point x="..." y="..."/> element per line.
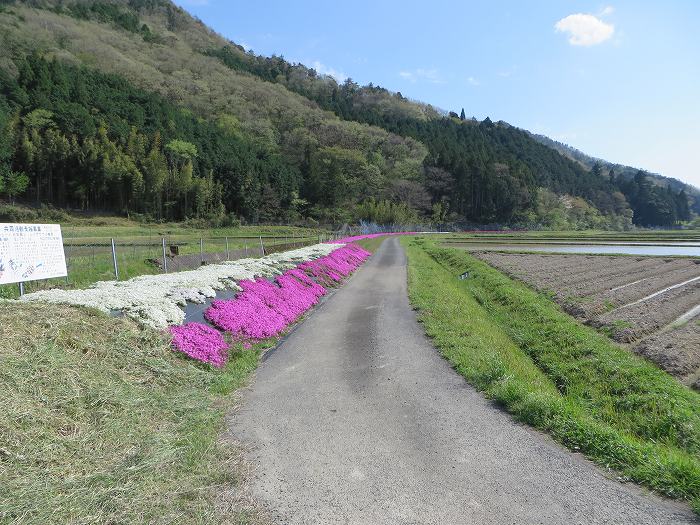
<point x="89" y="257"/>
<point x="556" y="374"/>
<point x="583" y="235"/>
<point x="103" y="423"/>
<point x="371" y="245"/>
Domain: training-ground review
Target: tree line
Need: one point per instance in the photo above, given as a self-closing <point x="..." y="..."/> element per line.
<point x="81" y="139"/>
<point x="93" y="141"/>
<point x="77" y="138"/>
<point x="653" y="205"/>
<point x="479" y="171"/>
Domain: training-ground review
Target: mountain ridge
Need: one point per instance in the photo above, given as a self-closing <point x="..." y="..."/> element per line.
<point x="346" y="148"/>
<point x="588" y="161"/>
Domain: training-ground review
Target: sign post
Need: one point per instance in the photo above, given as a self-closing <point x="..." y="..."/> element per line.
<point x="114" y="261"/>
<point x="165" y="261"/>
<point x="31" y="252"/>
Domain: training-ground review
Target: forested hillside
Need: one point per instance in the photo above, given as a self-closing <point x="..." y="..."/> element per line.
<point x="625" y="172"/>
<point x="493" y="168"/>
<point x="133" y="106"/>
<point x="143" y="101"/>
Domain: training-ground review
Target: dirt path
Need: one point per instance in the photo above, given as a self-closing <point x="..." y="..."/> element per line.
<point x="356" y="419"/>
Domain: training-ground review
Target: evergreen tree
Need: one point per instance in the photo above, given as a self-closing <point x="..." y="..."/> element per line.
<point x="12" y="183"/>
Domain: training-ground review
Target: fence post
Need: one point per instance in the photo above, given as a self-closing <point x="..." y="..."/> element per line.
<point x="262" y="247"/>
<point x="165" y="261"/>
<point x="201" y="249"/>
<point x="228" y="256"/>
<point x="65" y="255"/>
<point x="114" y="260"/>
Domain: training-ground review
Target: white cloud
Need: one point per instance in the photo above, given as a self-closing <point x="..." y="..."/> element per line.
<point x="584" y="30"/>
<point x="322" y="69"/>
<point x="607" y="10"/>
<point x="428" y="75"/>
<point x="508" y="72"/>
<point x="473" y="82"/>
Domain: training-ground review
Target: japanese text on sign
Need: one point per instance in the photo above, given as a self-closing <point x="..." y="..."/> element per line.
<point x="29" y="252"/>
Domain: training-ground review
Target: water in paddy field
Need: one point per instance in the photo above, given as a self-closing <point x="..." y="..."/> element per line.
<point x="676" y="249"/>
<point x="194" y="312"/>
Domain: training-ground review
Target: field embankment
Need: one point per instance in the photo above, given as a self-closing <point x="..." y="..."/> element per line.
<point x="139" y="247"/>
<point x="105" y="423"/>
<point x="556" y="374"/>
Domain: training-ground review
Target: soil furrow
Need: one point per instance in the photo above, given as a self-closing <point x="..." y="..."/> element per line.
<point x="635" y="300"/>
<point x="676" y="351"/>
<point x="634" y="321"/>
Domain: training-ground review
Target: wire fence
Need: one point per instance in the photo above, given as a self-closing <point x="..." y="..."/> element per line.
<point x="89" y="260"/>
<point x="93" y="259"/>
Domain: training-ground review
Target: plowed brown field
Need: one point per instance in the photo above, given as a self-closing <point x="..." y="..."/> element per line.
<point x="650" y="303"/>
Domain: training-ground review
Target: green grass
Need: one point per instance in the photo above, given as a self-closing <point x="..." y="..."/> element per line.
<point x="122" y="228"/>
<point x="103" y="423"/>
<point x="371" y="245"/>
<point x="89" y="256"/>
<point x="615" y="327"/>
<point x="524" y="242"/>
<point x="640" y="235"/>
<point x="556" y="374"/>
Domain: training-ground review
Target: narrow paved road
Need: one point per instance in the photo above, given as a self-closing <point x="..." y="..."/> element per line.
<point x="356" y="419"/>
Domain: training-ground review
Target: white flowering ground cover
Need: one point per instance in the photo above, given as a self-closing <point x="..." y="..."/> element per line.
<point x="157" y="300"/>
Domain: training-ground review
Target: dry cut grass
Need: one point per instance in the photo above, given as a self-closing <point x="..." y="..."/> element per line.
<point x="103" y="423"/>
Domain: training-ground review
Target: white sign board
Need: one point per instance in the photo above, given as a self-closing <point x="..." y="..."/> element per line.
<point x="29" y="252"/>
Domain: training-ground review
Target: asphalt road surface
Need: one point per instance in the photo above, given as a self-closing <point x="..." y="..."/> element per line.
<point x="356" y="419"/>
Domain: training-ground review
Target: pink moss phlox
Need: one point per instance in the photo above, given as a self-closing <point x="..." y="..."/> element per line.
<point x="264" y="309"/>
<point x="369" y="236"/>
<point x="246" y="316"/>
<point x="200" y="342"/>
<point x="340" y="263"/>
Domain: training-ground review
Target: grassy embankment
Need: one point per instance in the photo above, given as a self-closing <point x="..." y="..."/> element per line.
<point x="103" y="423"/>
<point x="584" y="236"/>
<point x="89" y="255"/>
<point x="372" y="244"/>
<point x="556" y="374"/>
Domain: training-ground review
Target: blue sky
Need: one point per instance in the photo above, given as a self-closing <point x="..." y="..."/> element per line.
<point x="618" y="80"/>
